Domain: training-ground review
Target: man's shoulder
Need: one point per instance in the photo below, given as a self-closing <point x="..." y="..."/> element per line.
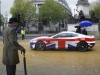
<point x="8" y="29"/>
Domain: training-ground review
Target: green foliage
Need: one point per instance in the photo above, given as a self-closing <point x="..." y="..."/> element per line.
<point x="1" y="20"/>
<point x="75" y="16"/>
<point x="25" y="8"/>
<point x="52" y="11"/>
<point x="95" y="7"/>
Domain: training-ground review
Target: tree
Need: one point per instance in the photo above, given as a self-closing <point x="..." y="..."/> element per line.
<point x="51" y="11"/>
<point x="95" y="9"/>
<point x="1" y="20"/>
<point x="75" y="16"/>
<point x="23" y="10"/>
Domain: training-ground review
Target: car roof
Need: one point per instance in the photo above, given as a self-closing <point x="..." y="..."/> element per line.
<point x="73" y="33"/>
<point x="67" y="32"/>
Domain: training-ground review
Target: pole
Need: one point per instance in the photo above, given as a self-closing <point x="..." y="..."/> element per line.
<point x="0" y="16"/>
<point x="74" y="12"/>
<point x="0" y="12"/>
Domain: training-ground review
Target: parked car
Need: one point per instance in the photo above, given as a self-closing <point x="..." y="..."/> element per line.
<point x="63" y="40"/>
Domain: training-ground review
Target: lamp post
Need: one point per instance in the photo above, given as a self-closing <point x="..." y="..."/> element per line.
<point x="0" y="16"/>
<point x="74" y="12"/>
<point x="0" y="12"/>
<point x="6" y="18"/>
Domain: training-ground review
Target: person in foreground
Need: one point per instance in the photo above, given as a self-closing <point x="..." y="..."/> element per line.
<point x="11" y="47"/>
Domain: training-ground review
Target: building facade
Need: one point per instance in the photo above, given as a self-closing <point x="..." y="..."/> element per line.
<point x="39" y="3"/>
<point x="84" y="6"/>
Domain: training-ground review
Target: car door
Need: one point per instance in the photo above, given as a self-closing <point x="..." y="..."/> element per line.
<point x="70" y="40"/>
<point x="60" y="40"/>
<point x="65" y="40"/>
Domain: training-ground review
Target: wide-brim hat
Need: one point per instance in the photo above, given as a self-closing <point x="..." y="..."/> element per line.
<point x="13" y="19"/>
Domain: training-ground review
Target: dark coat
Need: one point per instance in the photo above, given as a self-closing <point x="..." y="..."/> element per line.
<point x="78" y="30"/>
<point x="11" y="47"/>
<point x="84" y="31"/>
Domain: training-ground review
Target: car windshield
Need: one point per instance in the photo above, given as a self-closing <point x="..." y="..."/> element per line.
<point x="52" y="35"/>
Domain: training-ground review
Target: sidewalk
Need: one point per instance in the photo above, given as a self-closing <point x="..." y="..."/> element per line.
<point x="35" y="35"/>
<point x="30" y="35"/>
<point x="38" y="35"/>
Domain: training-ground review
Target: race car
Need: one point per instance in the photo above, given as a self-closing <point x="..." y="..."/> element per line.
<point x="63" y="40"/>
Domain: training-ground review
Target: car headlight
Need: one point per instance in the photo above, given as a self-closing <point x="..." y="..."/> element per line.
<point x="33" y="40"/>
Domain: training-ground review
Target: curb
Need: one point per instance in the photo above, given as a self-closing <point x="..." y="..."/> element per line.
<point x="37" y="35"/>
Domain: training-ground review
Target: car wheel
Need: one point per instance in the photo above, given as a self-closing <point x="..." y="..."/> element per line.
<point x="40" y="45"/>
<point x="82" y="46"/>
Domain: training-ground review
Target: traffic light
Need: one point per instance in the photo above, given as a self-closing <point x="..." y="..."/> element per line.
<point x="44" y="22"/>
<point x="18" y="17"/>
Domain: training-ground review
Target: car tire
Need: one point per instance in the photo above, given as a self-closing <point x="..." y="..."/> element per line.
<point x="82" y="46"/>
<point x="40" y="45"/>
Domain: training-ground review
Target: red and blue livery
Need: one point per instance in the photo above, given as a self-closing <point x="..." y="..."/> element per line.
<point x="63" y="40"/>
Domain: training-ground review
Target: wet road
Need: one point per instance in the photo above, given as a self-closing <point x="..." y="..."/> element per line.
<point x="60" y="62"/>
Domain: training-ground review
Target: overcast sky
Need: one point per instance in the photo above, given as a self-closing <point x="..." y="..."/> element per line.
<point x="72" y="4"/>
<point x="7" y="4"/>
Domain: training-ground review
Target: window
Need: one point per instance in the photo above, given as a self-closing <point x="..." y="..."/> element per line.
<point x="74" y="35"/>
<point x="65" y="35"/>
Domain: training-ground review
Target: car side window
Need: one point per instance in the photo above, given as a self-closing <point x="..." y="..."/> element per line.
<point x="65" y="35"/>
<point x="74" y="35"/>
<point x="68" y="35"/>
